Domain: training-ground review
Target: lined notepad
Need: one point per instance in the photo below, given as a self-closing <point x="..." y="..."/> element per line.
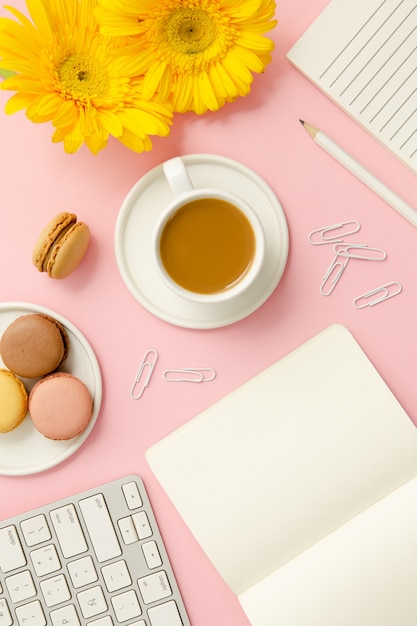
<point x="363" y="54"/>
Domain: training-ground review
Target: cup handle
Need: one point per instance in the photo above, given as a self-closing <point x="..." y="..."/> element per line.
<point x="177" y="176"/>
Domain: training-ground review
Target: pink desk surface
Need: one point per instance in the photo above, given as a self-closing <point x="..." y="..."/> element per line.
<point x="261" y="131"/>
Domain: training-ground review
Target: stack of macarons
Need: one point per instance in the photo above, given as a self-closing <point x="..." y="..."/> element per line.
<point x="34" y="346"/>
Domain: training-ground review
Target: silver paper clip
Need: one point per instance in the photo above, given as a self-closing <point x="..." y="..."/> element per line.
<point x="366" y="252"/>
<point x="333" y="275"/>
<point x="190" y="375"/>
<point x="142" y="379"/>
<point x="337" y="236"/>
<point x="389" y="290"/>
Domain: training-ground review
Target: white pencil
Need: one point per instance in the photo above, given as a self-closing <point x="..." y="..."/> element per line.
<point x="362" y="173"/>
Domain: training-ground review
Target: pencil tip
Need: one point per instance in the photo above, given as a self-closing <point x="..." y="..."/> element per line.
<point x="301" y="122"/>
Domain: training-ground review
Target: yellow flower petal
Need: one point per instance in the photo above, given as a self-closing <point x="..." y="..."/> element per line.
<point x="97" y="140"/>
<point x="71" y="137"/>
<point x="182" y="95"/>
<point x="135" y="143"/>
<point x="73" y="141"/>
<point x="153" y="79"/>
<point x="134" y="119"/>
<point x="209" y="98"/>
<point x="48" y="105"/>
<point x="111" y="122"/>
<point x="233" y="64"/>
<point x="222" y="81"/>
<point x="255" y="42"/>
<point x="252" y="61"/>
<point x="67" y="115"/>
<point x="18" y="102"/>
<point x="22" y="84"/>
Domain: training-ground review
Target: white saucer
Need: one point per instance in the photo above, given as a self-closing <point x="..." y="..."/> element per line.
<point x="24" y="450"/>
<point x="133" y="236"/>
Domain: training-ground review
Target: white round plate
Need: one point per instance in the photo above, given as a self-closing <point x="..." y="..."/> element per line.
<point x="136" y="222"/>
<point x="24" y="450"/>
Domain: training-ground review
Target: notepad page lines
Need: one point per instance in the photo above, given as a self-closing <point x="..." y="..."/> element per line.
<point x="374" y="76"/>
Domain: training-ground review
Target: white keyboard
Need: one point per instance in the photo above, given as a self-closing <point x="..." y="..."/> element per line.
<point x="94" y="559"/>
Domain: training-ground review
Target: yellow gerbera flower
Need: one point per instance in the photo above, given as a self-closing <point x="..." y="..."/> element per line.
<point x="199" y="53"/>
<point x="67" y="73"/>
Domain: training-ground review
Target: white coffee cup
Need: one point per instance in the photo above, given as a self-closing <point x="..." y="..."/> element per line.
<point x="208" y="244"/>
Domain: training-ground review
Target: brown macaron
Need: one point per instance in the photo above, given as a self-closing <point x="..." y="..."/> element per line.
<point x="61" y="245"/>
<point x="60" y="406"/>
<point x="34" y="345"/>
<point x="13" y="401"/>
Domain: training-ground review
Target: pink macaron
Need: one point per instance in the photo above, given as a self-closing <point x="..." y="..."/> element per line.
<point x="60" y="406"/>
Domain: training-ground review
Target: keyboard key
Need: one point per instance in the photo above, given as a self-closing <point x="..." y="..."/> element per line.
<point x="55" y="590"/>
<point x="92" y="602"/>
<point x="65" y="616"/>
<point x="154" y="587"/>
<point x="164" y="614"/>
<point x="31" y="614"/>
<point x="126" y="606"/>
<point x="100" y="528"/>
<point x="151" y="554"/>
<point x="69" y="532"/>
<point x="127" y="528"/>
<point x="132" y="495"/>
<point x="5" y="616"/>
<point x="45" y="560"/>
<point x="20" y="586"/>
<point x="102" y="621"/>
<point x="82" y="572"/>
<point x="11" y="553"/>
<point x="116" y="576"/>
<point x="142" y="525"/>
<point x="35" y="530"/>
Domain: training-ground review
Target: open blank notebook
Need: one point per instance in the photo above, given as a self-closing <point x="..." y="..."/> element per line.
<point x="363" y="55"/>
<point x="301" y="487"/>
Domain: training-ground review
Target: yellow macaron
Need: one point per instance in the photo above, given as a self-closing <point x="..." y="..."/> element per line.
<point x="61" y="245"/>
<point x="13" y="401"/>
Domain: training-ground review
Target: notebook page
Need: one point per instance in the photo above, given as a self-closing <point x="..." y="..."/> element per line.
<point x="287" y="458"/>
<point x="363" y="55"/>
<point x="363" y="574"/>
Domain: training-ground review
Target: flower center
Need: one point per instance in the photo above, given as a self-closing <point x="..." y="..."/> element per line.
<point x="190" y="30"/>
<point x="83" y="77"/>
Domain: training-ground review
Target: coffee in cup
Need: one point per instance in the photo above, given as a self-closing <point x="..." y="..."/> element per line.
<point x="209" y="244"/>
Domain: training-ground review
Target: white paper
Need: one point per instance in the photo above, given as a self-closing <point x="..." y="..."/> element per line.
<point x="363" y="55"/>
<point x="363" y="574"/>
<point x="287" y="458"/>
